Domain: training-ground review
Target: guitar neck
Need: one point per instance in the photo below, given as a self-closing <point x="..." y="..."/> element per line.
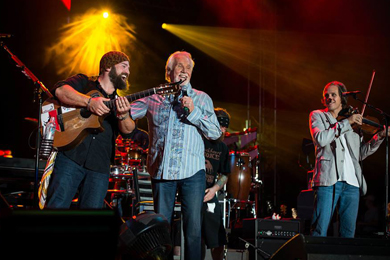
<point x="111" y="104"/>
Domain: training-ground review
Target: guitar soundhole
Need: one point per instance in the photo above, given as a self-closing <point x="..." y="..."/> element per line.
<point x="85" y="113"/>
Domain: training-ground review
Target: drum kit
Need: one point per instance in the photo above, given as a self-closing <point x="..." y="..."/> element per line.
<point x="130" y="164"/>
<point x="130" y="159"/>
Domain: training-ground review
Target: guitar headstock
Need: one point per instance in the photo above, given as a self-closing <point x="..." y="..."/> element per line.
<point x="167" y="89"/>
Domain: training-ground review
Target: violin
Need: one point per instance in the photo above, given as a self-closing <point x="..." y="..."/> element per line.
<point x="370" y="124"/>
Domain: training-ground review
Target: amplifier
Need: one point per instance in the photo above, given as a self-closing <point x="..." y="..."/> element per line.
<point x="267" y="235"/>
<point x="262" y="228"/>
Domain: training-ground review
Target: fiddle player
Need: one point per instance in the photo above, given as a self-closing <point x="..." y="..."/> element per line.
<point x="337" y="176"/>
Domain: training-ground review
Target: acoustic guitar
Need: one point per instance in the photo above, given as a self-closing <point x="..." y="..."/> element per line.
<point x="74" y="124"/>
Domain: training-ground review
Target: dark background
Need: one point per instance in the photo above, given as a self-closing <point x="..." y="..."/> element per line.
<point x="300" y="47"/>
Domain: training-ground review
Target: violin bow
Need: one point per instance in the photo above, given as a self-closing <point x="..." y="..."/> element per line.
<point x="368" y="92"/>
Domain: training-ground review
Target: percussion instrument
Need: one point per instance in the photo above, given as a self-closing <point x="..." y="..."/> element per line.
<point x="240" y="178"/>
<point x="128" y="153"/>
<point x="120" y="180"/>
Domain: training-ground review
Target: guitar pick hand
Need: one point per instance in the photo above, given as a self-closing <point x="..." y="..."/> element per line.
<point x="122" y="107"/>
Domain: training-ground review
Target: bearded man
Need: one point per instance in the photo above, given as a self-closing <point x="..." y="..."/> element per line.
<point x="85" y="168"/>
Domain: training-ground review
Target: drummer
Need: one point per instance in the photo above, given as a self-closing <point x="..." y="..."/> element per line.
<point x="217" y="168"/>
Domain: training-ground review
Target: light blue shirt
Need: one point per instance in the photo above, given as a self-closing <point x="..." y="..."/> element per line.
<point x="176" y="148"/>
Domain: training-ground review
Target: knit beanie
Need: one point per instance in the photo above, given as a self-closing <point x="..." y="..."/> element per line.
<point x="112" y="58"/>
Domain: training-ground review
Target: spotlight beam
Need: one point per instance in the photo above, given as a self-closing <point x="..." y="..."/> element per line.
<point x="86" y="39"/>
<point x="233" y="47"/>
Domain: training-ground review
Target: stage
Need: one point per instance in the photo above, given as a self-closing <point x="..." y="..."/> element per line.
<point x="24" y="227"/>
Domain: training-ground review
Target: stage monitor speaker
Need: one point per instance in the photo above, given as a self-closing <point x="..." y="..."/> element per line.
<point x="329" y="248"/>
<point x="305" y="204"/>
<point x="59" y="234"/>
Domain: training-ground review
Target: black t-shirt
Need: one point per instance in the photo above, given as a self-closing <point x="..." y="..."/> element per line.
<point x="217" y="160"/>
<point x="141" y="138"/>
<point x="97" y="151"/>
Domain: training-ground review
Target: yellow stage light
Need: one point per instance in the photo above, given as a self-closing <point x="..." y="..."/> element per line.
<point x="164" y="26"/>
<point x="105" y="15"/>
<point x="233" y="47"/>
<point x="84" y="41"/>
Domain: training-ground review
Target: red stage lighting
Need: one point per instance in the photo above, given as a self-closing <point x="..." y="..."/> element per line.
<point x="67" y="3"/>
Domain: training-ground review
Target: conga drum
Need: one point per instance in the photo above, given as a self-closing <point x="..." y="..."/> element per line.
<point x="240" y="178"/>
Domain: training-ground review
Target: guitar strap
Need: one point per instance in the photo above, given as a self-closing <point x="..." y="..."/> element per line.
<point x="93" y="84"/>
<point x="44" y="184"/>
<point x="60" y="120"/>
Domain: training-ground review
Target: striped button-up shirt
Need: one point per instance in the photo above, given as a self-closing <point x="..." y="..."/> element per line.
<point x="176" y="148"/>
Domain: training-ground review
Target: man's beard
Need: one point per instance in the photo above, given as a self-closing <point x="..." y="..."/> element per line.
<point x="117" y="79"/>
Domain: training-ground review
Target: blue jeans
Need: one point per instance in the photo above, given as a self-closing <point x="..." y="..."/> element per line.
<point x="67" y="178"/>
<point x="325" y="202"/>
<point x="192" y="191"/>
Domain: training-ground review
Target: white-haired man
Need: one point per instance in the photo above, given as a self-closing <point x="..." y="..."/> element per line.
<point x="176" y="162"/>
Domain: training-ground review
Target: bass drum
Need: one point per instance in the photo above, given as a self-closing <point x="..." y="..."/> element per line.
<point x="240" y="178"/>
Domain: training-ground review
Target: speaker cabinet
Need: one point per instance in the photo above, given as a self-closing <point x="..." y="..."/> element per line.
<point x="305" y="204"/>
<point x="267" y="235"/>
<point x="329" y="248"/>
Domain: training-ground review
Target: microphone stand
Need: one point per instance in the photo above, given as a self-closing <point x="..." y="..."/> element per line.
<point x="263" y="254"/>
<point x="386" y="117"/>
<point x="39" y="87"/>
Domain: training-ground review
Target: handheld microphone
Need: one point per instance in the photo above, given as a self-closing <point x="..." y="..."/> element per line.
<point x="186" y="109"/>
<point x="351" y="93"/>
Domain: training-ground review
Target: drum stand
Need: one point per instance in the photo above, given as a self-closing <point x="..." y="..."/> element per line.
<point x="233" y="202"/>
<point x="223" y="201"/>
<point x="122" y="190"/>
